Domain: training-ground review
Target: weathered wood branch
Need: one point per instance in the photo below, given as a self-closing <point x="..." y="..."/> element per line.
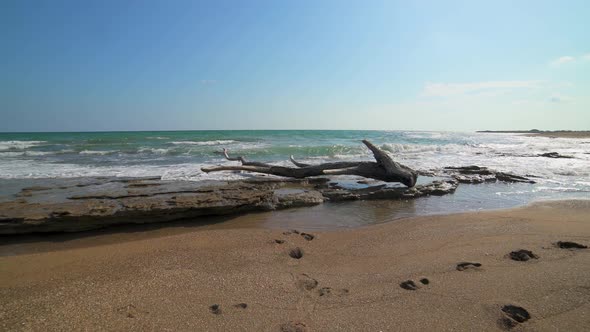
<point x="384" y="169"/>
<point x="243" y="160"/>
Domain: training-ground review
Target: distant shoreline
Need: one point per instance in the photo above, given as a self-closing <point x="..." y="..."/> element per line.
<point x="543" y="133"/>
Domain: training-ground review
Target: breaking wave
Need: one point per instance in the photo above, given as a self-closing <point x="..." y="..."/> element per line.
<point x="204" y="143"/>
<point x="19" y="145"/>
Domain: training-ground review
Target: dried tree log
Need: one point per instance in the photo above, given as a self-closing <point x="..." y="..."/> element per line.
<point x="243" y="160"/>
<point x="384" y="169"/>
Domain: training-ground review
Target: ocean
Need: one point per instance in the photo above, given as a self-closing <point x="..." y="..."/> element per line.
<point x="179" y="155"/>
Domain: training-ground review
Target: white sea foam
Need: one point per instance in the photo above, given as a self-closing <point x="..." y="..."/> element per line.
<point x="11" y="154"/>
<point x="31" y="153"/>
<point x="154" y="151"/>
<point x="38" y="153"/>
<point x="560" y="189"/>
<point x="92" y="152"/>
<point x="204" y="143"/>
<point x="19" y="145"/>
<point x="28" y="169"/>
<point x="507" y="153"/>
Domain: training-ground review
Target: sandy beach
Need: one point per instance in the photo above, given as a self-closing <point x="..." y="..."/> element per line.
<point x="246" y="279"/>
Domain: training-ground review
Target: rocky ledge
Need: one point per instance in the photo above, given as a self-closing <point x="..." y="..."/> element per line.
<point x="478" y="174"/>
<point x="72" y="205"/>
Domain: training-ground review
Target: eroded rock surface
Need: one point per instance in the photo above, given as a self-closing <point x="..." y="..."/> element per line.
<point x="478" y="174"/>
<point x="554" y="155"/>
<point x="89" y="203"/>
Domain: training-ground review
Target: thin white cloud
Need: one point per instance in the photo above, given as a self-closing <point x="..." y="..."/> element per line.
<point x="569" y="59"/>
<point x="563" y="60"/>
<point x="474" y="88"/>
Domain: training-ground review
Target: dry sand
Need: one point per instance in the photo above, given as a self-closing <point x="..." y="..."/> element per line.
<point x="346" y="280"/>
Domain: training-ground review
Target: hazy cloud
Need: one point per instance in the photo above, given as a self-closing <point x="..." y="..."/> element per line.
<point x="563" y="60"/>
<point x="568" y="59"/>
<point x="474" y="88"/>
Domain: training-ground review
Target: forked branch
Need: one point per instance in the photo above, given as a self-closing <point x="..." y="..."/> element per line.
<point x="384" y="169"/>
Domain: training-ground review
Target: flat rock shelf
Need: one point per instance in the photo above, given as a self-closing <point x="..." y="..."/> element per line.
<point x="71" y="205"/>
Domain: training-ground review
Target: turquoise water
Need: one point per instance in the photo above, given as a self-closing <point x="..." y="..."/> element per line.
<point x="179" y="155"/>
<point x="202" y="145"/>
<point x="28" y="159"/>
<point x="34" y="155"/>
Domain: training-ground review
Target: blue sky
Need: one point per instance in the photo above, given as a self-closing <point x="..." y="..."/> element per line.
<point x="177" y="65"/>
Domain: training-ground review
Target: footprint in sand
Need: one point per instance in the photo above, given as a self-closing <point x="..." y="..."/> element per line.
<point x="570" y="245"/>
<point x="241" y="305"/>
<point x="131" y="311"/>
<point x="329" y="291"/>
<point x="411" y="285"/>
<point x="514" y="316"/>
<point x="306" y="282"/>
<point x="522" y="255"/>
<point x="279" y="241"/>
<point x="424" y="281"/>
<point x="296" y="253"/>
<point x="467" y="266"/>
<point x="215" y="309"/>
<point x="293" y="327"/>
<point x="307" y="236"/>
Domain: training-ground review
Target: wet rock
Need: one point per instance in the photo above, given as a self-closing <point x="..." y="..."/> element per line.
<point x="437" y="188"/>
<point x="287" y="198"/>
<point x="507" y="177"/>
<point x="99" y="202"/>
<point x="71" y="205"/>
<point x="477" y="174"/>
<point x="553" y="155"/>
<point x="339" y="195"/>
<point x="470" y="170"/>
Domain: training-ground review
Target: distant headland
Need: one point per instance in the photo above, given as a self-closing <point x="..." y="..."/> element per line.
<point x="544" y="133"/>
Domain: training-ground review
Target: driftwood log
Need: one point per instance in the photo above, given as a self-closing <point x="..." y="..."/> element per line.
<point x="384" y="169"/>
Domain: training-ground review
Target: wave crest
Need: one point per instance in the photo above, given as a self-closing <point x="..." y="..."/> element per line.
<point x="206" y="143"/>
<point x="19" y="145"/>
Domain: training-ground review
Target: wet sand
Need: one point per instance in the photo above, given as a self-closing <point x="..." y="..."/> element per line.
<point x="400" y="275"/>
